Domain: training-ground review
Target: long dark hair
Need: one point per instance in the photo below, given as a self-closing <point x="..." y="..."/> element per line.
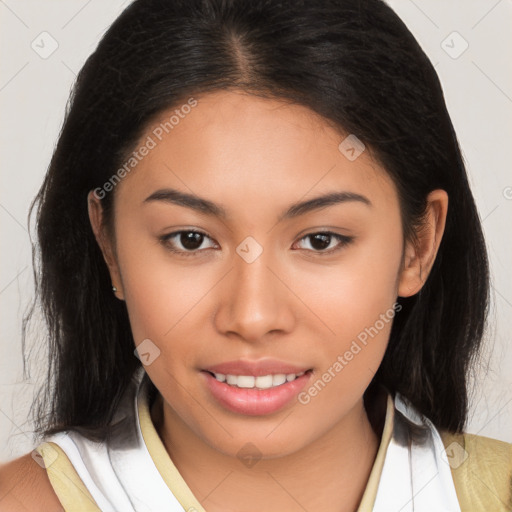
<point x="353" y="62"/>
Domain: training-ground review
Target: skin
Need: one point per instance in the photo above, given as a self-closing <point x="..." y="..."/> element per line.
<point x="25" y="485"/>
<point x="255" y="157"/>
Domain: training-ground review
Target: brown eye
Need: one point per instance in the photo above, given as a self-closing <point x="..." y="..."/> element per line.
<point x="190" y="240"/>
<point x="322" y="242"/>
<point x="186" y="242"/>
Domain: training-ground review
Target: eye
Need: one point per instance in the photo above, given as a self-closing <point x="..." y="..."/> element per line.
<point x="323" y="240"/>
<point x="186" y="242"/>
<point x="189" y="242"/>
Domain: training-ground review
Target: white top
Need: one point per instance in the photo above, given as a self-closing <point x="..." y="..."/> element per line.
<point x="121" y="475"/>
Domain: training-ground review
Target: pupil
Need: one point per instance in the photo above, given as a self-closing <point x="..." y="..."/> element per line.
<point x="189" y="240"/>
<point x="323" y="239"/>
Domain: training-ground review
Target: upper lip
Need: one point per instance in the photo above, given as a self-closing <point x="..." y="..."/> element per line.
<point x="255" y="368"/>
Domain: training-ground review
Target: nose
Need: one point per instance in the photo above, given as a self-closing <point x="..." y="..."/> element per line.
<point x="255" y="300"/>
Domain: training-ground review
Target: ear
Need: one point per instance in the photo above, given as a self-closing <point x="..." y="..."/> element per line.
<point x="420" y="255"/>
<point x="104" y="241"/>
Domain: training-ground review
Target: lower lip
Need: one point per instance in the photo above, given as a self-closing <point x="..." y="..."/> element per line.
<point x="253" y="401"/>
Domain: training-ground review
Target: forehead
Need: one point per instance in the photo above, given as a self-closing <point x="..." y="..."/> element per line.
<point x="228" y="144"/>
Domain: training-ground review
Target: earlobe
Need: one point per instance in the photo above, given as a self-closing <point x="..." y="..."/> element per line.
<point x="420" y="254"/>
<point x="95" y="211"/>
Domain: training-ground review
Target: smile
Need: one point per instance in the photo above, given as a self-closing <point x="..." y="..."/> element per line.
<point x="260" y="382"/>
<point x="252" y="395"/>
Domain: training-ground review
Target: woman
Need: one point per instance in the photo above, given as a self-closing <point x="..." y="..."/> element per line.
<point x="263" y="272"/>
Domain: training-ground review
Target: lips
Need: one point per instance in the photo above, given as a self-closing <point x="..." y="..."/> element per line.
<point x="241" y="398"/>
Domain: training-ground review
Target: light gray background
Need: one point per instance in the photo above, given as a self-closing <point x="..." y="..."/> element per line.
<point x="33" y="95"/>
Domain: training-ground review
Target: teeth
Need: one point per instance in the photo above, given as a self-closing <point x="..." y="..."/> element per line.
<point x="262" y="382"/>
<point x="244" y="381"/>
<point x="280" y="378"/>
<point x="232" y="380"/>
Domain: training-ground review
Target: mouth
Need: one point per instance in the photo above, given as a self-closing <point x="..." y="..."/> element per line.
<point x="255" y="395"/>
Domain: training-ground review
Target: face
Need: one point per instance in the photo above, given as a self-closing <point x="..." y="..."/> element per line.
<point x="264" y="287"/>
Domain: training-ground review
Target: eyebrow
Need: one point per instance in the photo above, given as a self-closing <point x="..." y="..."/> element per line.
<point x="208" y="207"/>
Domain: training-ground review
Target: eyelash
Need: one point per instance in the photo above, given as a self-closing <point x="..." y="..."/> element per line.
<point x="343" y="239"/>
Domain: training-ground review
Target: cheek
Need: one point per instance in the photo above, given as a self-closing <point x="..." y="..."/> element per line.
<point x="161" y="296"/>
<point x="355" y="300"/>
<point x="352" y="293"/>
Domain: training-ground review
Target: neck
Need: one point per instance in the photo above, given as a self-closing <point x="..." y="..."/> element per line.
<point x="329" y="474"/>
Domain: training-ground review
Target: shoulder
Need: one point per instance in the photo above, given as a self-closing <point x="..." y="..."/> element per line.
<point x="482" y="449"/>
<point x="24" y="485"/>
<point x="481" y="468"/>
